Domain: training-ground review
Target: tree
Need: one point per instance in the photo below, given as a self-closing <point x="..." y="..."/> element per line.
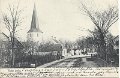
<point x="12" y="20"/>
<point x="85" y="44"/>
<point x="102" y="21"/>
<point x="81" y="43"/>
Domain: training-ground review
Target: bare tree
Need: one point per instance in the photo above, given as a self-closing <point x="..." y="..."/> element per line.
<point x="103" y="20"/>
<point x="12" y="20"/>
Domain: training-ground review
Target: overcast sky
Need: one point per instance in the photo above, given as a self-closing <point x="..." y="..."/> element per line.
<point x="63" y="19"/>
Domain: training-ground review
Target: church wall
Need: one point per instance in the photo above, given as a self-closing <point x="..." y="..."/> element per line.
<point x="35" y="37"/>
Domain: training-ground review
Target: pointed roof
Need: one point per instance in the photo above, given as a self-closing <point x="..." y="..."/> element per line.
<point x="34" y="22"/>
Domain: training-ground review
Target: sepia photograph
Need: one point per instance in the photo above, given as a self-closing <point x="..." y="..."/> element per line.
<point x="59" y="33"/>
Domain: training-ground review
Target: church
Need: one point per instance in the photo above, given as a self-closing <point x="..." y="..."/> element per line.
<point x="35" y="34"/>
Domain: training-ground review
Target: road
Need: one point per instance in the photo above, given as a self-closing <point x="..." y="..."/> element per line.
<point x="74" y="62"/>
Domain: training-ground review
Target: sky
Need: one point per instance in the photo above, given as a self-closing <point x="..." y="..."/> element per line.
<point x="63" y="19"/>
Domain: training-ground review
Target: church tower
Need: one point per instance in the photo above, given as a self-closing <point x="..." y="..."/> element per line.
<point x="34" y="34"/>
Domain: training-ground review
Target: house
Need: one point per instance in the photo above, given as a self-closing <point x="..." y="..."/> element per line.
<point x="6" y="48"/>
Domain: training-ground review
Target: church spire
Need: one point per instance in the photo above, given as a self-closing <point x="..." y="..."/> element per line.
<point x="34" y="22"/>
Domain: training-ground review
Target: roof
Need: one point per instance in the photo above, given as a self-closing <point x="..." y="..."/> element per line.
<point x="116" y="38"/>
<point x="6" y="39"/>
<point x="34" y="22"/>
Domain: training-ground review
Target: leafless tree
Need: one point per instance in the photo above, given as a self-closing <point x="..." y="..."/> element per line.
<point x="12" y="20"/>
<point x="102" y="20"/>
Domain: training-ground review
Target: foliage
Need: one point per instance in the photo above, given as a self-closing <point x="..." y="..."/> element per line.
<point x="12" y="20"/>
<point x="102" y="20"/>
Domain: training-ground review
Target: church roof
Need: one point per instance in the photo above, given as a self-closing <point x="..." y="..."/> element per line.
<point x="34" y="22"/>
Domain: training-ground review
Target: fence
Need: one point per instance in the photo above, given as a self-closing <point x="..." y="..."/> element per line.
<point x="37" y="59"/>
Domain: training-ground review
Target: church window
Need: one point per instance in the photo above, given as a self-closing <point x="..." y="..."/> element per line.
<point x="37" y="34"/>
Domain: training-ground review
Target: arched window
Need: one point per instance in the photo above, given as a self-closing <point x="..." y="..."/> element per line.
<point x="37" y="35"/>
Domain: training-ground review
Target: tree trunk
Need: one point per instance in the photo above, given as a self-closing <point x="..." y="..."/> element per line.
<point x="103" y="46"/>
<point x="13" y="55"/>
<point x="13" y="45"/>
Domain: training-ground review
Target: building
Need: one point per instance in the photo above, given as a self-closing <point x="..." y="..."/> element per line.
<point x="4" y="50"/>
<point x="6" y="53"/>
<point x="34" y="34"/>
